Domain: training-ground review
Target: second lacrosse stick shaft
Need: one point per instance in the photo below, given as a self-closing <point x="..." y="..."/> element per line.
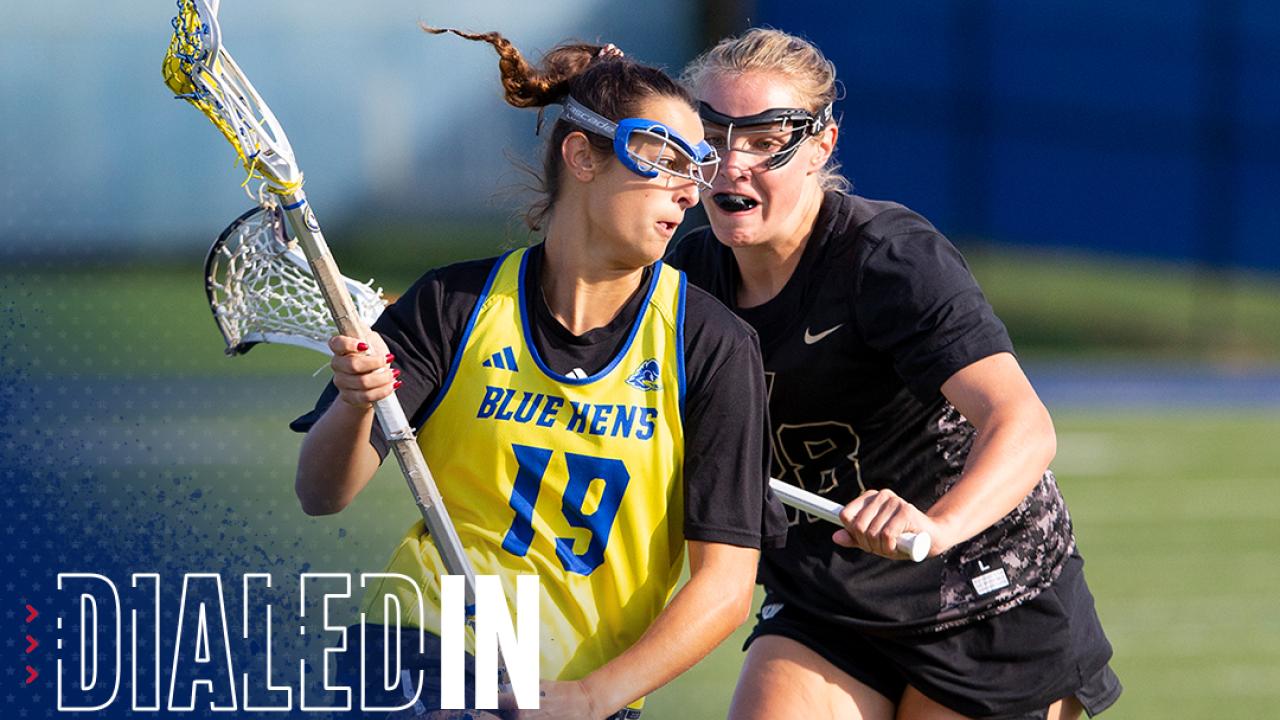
<point x="913" y="546"/>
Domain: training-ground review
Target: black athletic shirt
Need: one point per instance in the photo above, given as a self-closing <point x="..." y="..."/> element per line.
<point x="726" y="452"/>
<point x="880" y="311"/>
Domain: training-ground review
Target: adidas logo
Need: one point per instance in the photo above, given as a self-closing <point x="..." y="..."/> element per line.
<point x="504" y="359"/>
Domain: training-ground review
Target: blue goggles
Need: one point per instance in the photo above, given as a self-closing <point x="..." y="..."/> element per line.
<point x="648" y="147"/>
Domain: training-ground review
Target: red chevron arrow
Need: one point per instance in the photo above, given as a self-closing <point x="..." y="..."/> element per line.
<point x="31" y="613"/>
<point x="31" y="674"/>
<point x="32" y="644"/>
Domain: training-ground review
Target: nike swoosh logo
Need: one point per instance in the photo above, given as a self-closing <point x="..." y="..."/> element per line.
<point x="810" y="338"/>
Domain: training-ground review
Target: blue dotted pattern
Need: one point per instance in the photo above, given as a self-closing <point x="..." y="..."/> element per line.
<point x="114" y="473"/>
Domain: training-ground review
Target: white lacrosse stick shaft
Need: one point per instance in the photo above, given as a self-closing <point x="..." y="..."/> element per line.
<point x="217" y="86"/>
<point x="911" y="546"/>
<point x="395" y="426"/>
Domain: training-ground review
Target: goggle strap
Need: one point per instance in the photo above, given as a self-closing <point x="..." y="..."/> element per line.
<point x="813" y="123"/>
<point x="576" y="113"/>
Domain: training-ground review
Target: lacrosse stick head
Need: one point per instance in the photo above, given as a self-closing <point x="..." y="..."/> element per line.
<point x="198" y="69"/>
<point x="260" y="288"/>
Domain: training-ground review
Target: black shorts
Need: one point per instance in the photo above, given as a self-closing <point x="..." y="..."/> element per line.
<point x="412" y="661"/>
<point x="1008" y="667"/>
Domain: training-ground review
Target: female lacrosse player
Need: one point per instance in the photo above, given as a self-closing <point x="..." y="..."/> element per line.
<point x="585" y="413"/>
<point x="894" y="391"/>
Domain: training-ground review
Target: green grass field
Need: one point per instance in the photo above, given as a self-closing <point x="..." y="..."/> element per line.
<point x="1062" y="305"/>
<point x="1177" y="511"/>
<point x="1178" y="517"/>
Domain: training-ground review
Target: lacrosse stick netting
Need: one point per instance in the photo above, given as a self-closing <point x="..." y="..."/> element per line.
<point x="200" y="70"/>
<point x="260" y="288"/>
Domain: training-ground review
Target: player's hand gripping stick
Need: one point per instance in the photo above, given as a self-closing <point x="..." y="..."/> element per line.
<point x="911" y="546"/>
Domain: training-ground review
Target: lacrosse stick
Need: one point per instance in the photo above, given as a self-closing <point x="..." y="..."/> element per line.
<point x="912" y="546"/>
<point x="260" y="288"/>
<point x="201" y="71"/>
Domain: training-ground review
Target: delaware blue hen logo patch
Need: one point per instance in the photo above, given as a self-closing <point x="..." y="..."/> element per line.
<point x="646" y="376"/>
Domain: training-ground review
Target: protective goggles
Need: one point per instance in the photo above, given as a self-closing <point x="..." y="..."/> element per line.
<point x="648" y="147"/>
<point x="774" y="134"/>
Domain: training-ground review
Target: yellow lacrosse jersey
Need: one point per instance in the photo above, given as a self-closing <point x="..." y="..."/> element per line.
<point x="576" y="480"/>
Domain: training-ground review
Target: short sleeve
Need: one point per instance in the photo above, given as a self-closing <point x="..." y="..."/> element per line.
<point x="421" y="329"/>
<point x="726" y="467"/>
<point x="917" y="303"/>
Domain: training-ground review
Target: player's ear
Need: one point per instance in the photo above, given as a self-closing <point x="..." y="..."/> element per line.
<point x="579" y="158"/>
<point x="825" y="144"/>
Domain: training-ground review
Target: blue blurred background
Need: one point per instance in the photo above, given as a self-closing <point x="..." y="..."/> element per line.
<point x="383" y="118"/>
<point x="1127" y="126"/>
<point x="1130" y="127"/>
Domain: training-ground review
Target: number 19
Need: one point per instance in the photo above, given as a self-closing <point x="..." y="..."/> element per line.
<point x="583" y="470"/>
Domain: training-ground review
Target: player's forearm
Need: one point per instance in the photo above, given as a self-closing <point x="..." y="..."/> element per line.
<point x="1012" y="450"/>
<point x="337" y="460"/>
<point x="715" y="601"/>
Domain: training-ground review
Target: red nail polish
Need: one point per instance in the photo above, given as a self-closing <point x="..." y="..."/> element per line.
<point x="390" y="358"/>
<point x="362" y="347"/>
<point x="397" y="385"/>
<point x="395" y="373"/>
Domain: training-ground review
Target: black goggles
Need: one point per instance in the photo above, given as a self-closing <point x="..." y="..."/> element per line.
<point x="774" y="134"/>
